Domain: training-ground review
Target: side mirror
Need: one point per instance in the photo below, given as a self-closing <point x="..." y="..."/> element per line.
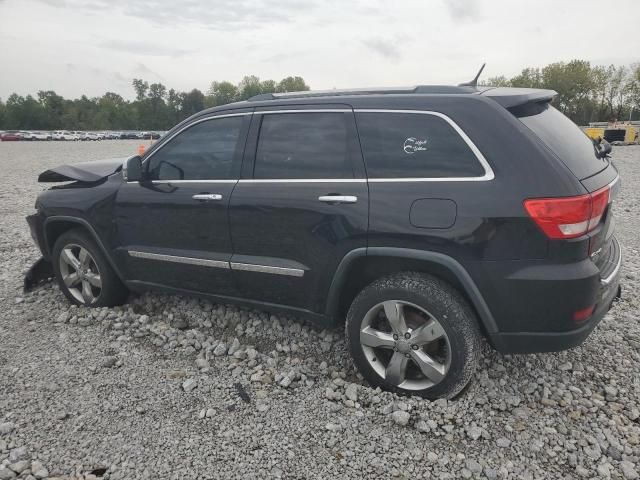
<point x="133" y="169"/>
<point x="605" y="148"/>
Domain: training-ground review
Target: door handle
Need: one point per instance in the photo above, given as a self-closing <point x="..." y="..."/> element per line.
<point x="205" y="197"/>
<point x="338" y="198"/>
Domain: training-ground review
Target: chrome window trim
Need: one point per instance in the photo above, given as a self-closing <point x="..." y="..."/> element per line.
<point x="488" y="175"/>
<point x="310" y="110"/>
<point x="203" y="262"/>
<point x="190" y="181"/>
<point x="250" y="267"/>
<point x="174" y="134"/>
<point x="488" y="171"/>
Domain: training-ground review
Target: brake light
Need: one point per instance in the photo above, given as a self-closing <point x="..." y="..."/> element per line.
<point x="568" y="217"/>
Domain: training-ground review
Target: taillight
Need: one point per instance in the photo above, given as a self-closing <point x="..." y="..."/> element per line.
<point x="568" y="217"/>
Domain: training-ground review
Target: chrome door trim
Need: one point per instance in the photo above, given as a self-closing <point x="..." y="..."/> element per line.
<point x="203" y="262"/>
<point x="303" y="180"/>
<point x="488" y="171"/>
<point x="249" y="267"/>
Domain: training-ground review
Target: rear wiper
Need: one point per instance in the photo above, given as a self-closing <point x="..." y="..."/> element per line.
<point x="602" y="148"/>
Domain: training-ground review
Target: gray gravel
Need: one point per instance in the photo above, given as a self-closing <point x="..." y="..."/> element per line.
<point x="170" y="387"/>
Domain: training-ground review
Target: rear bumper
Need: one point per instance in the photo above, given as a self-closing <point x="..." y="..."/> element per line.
<point x="535" y="342"/>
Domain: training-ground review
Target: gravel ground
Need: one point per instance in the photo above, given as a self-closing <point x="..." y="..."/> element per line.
<point x="169" y="387"/>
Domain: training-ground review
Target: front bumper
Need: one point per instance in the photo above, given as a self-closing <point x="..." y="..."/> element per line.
<point x="536" y="342"/>
<point x="41" y="271"/>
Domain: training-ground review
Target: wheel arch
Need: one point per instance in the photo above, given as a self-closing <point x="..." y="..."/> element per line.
<point x="362" y="266"/>
<point x="57" y="225"/>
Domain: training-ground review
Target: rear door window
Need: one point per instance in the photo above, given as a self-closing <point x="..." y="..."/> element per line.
<point x="563" y="137"/>
<point x="314" y="145"/>
<point x="414" y="145"/>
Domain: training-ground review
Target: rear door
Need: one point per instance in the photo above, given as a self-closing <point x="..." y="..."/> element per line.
<point x="301" y="205"/>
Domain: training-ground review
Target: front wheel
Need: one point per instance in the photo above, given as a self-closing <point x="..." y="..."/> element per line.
<point x="412" y="333"/>
<point x="83" y="272"/>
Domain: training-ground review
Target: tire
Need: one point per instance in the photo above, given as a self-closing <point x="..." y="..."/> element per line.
<point x="447" y="348"/>
<point x="90" y="279"/>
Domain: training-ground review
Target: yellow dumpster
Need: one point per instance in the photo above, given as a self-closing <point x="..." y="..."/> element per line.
<point x="594" y="132"/>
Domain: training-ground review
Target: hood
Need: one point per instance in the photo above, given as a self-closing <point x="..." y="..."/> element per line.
<point x="83" y="172"/>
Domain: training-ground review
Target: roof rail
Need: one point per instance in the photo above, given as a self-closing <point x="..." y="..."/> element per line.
<point x="424" y="89"/>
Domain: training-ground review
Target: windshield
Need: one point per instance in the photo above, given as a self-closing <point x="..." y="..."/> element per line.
<point x="564" y="138"/>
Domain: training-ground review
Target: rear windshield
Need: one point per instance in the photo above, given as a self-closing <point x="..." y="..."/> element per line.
<point x="563" y="137"/>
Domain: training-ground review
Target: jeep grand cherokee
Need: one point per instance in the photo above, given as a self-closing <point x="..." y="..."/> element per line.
<point x="427" y="217"/>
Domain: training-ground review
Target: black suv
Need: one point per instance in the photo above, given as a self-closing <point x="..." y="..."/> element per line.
<point x="428" y="217"/>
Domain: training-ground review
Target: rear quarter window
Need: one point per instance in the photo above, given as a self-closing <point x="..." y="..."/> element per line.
<point x="563" y="137"/>
<point x="414" y="145"/>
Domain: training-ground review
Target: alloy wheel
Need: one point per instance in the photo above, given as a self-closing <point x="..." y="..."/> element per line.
<point x="405" y="345"/>
<point x="80" y="273"/>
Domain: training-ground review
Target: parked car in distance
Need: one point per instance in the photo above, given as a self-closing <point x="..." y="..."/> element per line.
<point x="42" y="136"/>
<point x="11" y="136"/>
<point x="28" y="135"/>
<point x="150" y="135"/>
<point x="64" y="135"/>
<point x="128" y="135"/>
<point x="89" y="136"/>
<point x="425" y="219"/>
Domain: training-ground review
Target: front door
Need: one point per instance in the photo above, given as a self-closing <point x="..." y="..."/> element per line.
<point x="173" y="226"/>
<point x="300" y="207"/>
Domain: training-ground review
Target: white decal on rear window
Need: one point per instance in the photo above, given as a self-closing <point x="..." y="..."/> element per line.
<point x="413" y="145"/>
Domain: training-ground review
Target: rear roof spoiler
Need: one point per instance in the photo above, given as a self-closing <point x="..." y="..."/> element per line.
<point x="513" y="97"/>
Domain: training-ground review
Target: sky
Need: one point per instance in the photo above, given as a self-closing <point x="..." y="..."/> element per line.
<point x="89" y="47"/>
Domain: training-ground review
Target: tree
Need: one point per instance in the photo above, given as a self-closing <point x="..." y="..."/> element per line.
<point x="192" y="102"/>
<point x="500" y="81"/>
<point x="222" y="93"/>
<point x="53" y="105"/>
<point x="292" y="84"/>
<point x="248" y="87"/>
<point x="268" y="86"/>
<point x="174" y="106"/>
<point x="528" y="78"/>
<point x="634" y="89"/>
<point x="141" y="88"/>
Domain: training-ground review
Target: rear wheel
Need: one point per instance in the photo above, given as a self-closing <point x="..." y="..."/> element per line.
<point x="412" y="333"/>
<point x="84" y="274"/>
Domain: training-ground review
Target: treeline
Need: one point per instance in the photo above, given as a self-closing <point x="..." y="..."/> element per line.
<point x="585" y="93"/>
<point x="154" y="108"/>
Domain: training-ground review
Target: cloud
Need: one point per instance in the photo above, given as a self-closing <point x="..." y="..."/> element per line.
<point x="96" y="72"/>
<point x="463" y="9"/>
<point x="385" y="48"/>
<point x="144" y="48"/>
<point x="144" y="71"/>
<point x="222" y="14"/>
